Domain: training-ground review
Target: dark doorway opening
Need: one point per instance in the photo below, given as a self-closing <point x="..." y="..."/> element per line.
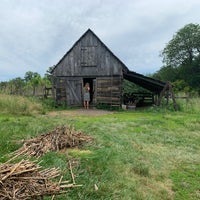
<point x="91" y="83"/>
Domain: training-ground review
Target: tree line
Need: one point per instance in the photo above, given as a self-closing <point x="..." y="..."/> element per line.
<point x="181" y="66"/>
<point x="181" y="59"/>
<point x="32" y="84"/>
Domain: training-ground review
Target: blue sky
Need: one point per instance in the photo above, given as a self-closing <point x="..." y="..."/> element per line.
<point x="35" y="34"/>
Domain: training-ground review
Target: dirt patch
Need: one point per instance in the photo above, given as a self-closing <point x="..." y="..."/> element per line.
<point x="79" y="112"/>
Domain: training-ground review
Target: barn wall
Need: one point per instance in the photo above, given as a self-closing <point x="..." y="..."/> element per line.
<point x="59" y="90"/>
<point x="69" y="91"/>
<point x="108" y="90"/>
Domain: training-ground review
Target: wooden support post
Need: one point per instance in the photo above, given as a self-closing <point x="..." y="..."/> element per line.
<point x="173" y="97"/>
<point x="167" y="88"/>
<point x="162" y="93"/>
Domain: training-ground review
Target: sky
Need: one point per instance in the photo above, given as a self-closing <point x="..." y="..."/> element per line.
<point x="35" y="34"/>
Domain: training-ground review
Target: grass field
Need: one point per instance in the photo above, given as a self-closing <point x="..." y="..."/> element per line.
<point x="139" y="155"/>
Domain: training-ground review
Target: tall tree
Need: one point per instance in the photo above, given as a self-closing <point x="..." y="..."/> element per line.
<point x="184" y="47"/>
<point x="166" y="73"/>
<point x="31" y="75"/>
<point x="33" y="79"/>
<point x="17" y="85"/>
<point x="181" y="57"/>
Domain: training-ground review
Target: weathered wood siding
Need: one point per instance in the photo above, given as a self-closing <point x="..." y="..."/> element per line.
<point x="74" y="91"/>
<point x="69" y="91"/>
<point x="108" y="90"/>
<point x="59" y="90"/>
<point x="88" y="57"/>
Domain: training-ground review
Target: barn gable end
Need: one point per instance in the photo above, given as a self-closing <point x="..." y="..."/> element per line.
<point x="89" y="60"/>
<point x="89" y="57"/>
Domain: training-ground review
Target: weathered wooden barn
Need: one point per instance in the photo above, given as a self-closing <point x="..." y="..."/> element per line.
<point x="90" y="60"/>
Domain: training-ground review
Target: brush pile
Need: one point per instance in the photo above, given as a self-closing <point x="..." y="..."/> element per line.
<point x="57" y="139"/>
<point x="25" y="180"/>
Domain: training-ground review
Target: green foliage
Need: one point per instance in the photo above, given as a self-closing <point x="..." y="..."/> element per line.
<point x="184" y="79"/>
<point x="32" y="85"/>
<point x="167" y="73"/>
<point x="48" y="103"/>
<point x="29" y="76"/>
<point x="33" y="79"/>
<point x="129" y="87"/>
<point x="182" y="58"/>
<point x="184" y="47"/>
<point x="181" y="85"/>
<point x="189" y="105"/>
<point x="14" y="86"/>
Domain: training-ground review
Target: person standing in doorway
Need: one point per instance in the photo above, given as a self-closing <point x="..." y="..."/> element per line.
<point x="86" y="95"/>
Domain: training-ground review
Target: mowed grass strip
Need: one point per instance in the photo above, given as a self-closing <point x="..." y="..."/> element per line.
<point x="138" y="155"/>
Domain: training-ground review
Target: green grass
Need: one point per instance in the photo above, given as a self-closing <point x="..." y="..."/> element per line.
<point x="18" y="105"/>
<point x="140" y="155"/>
<point x="189" y="106"/>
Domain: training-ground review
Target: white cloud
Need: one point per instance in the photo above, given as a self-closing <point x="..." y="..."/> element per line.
<point x="35" y="34"/>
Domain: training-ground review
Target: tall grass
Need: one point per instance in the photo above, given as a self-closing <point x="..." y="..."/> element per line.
<point x="190" y="105"/>
<point x="18" y="105"/>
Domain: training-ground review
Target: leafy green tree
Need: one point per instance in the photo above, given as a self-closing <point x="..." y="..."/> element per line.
<point x="48" y="76"/>
<point x="184" y="47"/>
<point x="166" y="73"/>
<point x="31" y="75"/>
<point x="3" y="86"/>
<point x="33" y="79"/>
<point x="182" y="86"/>
<point x="17" y="85"/>
<point x="181" y="57"/>
<point x="46" y="81"/>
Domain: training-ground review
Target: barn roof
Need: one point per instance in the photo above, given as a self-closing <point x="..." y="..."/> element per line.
<point x="146" y="82"/>
<point x="151" y="84"/>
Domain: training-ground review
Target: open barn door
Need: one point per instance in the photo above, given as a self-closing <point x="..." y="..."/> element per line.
<point x="92" y="83"/>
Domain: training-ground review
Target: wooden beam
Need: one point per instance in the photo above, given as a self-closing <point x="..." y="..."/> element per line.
<point x="169" y="90"/>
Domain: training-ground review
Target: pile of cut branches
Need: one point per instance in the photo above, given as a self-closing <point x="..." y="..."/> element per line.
<point x="57" y="139"/>
<point x="26" y="180"/>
